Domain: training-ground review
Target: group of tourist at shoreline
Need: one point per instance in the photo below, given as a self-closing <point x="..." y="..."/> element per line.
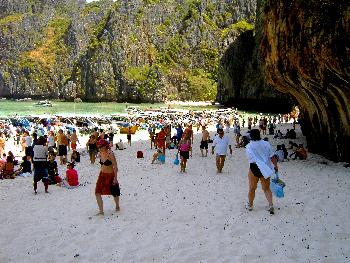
<point x="40" y="152"/>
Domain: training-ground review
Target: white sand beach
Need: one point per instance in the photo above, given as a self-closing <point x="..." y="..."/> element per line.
<point x="167" y="216"/>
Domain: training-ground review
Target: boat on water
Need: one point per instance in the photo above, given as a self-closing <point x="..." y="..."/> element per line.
<point x="125" y="130"/>
<point x="43" y="103"/>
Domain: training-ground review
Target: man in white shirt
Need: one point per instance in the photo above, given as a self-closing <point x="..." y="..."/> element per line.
<point x="220" y="143"/>
<point x="28" y="145"/>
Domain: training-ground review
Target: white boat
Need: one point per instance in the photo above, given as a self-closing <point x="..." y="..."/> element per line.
<point x="43" y="103"/>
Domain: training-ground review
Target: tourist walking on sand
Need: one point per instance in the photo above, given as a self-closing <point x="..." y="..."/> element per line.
<point x="62" y="143"/>
<point x="40" y="153"/>
<point x="161" y="140"/>
<point x="185" y="150"/>
<point x="74" y="140"/>
<point x="51" y="141"/>
<point x="220" y="143"/>
<point x="204" y="142"/>
<point x="92" y="148"/>
<point x="27" y="143"/>
<point x="107" y="182"/>
<point x="128" y="136"/>
<point x="262" y="164"/>
<point x="2" y="143"/>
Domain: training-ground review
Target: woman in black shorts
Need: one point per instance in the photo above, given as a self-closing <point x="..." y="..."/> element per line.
<point x="262" y="164"/>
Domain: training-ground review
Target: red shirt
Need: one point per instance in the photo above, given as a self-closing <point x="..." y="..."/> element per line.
<point x="72" y="177"/>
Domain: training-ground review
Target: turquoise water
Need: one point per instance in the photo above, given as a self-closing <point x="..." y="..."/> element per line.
<point x="9" y="108"/>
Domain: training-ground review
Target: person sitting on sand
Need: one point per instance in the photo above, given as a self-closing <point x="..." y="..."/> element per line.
<point x="7" y="169"/>
<point x="292" y="145"/>
<point x="75" y="157"/>
<point x="10" y="153"/>
<point x="120" y="145"/>
<point x="279" y="153"/>
<point x="292" y="134"/>
<point x="299" y="153"/>
<point x="157" y="155"/>
<point x="25" y="168"/>
<point x="278" y="135"/>
<point x="285" y="152"/>
<point x="71" y="181"/>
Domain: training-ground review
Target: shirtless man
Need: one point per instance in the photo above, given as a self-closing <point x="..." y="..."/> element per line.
<point x="74" y="140"/>
<point x="204" y="141"/>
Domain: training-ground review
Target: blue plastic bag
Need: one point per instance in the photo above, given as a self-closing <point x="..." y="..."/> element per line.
<point x="176" y="161"/>
<point x="276" y="186"/>
<point x="161" y="158"/>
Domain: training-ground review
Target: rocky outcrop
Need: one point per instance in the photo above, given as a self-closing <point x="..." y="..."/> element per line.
<point x="241" y="82"/>
<point x="305" y="49"/>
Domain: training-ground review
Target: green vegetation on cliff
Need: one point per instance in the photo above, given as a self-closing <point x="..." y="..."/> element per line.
<point x="145" y="50"/>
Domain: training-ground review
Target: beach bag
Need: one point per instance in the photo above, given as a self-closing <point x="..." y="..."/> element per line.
<point x="139" y="154"/>
<point x="176" y="161"/>
<point x="276" y="186"/>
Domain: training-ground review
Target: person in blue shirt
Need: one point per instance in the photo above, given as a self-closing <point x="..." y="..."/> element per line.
<point x="179" y="132"/>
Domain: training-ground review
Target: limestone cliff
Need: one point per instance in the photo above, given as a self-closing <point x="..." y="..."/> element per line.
<point x="140" y="50"/>
<point x="305" y="48"/>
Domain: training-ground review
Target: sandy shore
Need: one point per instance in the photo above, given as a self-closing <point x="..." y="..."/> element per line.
<point x="171" y="217"/>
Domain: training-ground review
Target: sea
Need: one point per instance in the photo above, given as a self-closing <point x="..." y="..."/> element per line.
<point x="23" y="108"/>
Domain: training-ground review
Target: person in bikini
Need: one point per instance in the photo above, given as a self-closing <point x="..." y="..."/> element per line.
<point x="107" y="182"/>
<point x="185" y="150"/>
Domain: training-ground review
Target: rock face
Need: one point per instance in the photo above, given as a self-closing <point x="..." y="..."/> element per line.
<point x="140" y="50"/>
<point x="305" y="49"/>
<point x="241" y="82"/>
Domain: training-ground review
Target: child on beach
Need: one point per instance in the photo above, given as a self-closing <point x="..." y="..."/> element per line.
<point x="71" y="181"/>
<point x="157" y="155"/>
<point x="279" y="153"/>
<point x="53" y="170"/>
<point x="75" y="157"/>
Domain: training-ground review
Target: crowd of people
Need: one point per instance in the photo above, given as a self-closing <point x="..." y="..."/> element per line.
<point x="40" y="152"/>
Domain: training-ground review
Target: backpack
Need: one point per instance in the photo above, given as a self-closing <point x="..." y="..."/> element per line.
<point x="139" y="154"/>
